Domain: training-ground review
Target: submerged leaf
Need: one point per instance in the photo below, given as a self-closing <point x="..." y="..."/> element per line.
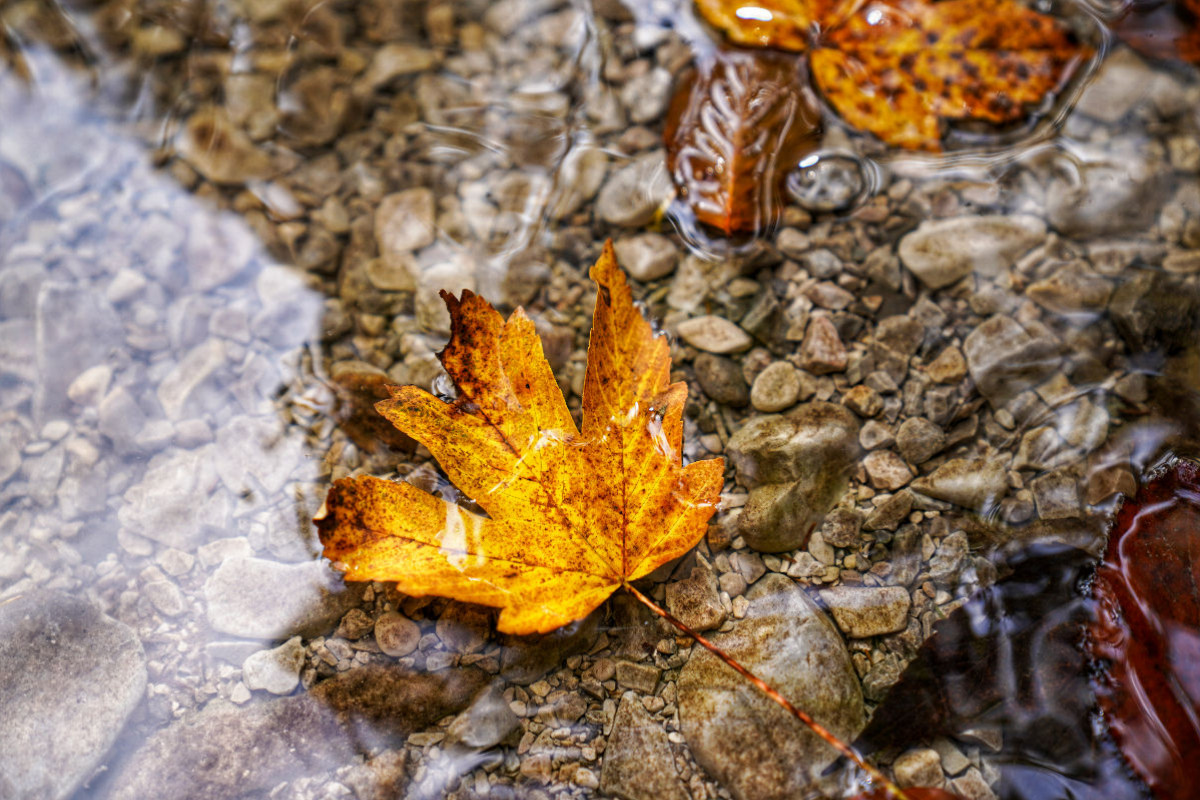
<point x="571" y="515"/>
<point x="736" y="125"/>
<point x="1146" y="636"/>
<point x="1162" y="30"/>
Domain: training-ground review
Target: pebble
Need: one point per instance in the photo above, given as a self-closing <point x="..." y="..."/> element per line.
<point x="821" y="350"/>
<point x="976" y="484"/>
<point x="1005" y="357"/>
<point x="647" y="256"/>
<point x="721" y="379"/>
<point x="695" y="600"/>
<point x="919" y="767"/>
<point x="175" y="499"/>
<point x="814" y="438"/>
<point x="638" y="760"/>
<point x="918" y="440"/>
<point x="404" y="221"/>
<point x="634" y="193"/>
<point x="276" y="671"/>
<point x="942" y="251"/>
<point x="948" y="367"/>
<point x="396" y="634"/>
<point x="714" y="334"/>
<point x="775" y="388"/>
<point x="1113" y="192"/>
<point x="864" y="612"/>
<point x="638" y="677"/>
<point x="485" y="723"/>
<point x="886" y="470"/>
<point x="166" y="597"/>
<point x="259" y="599"/>
<point x="91" y="385"/>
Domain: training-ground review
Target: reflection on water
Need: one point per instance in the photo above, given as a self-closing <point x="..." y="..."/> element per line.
<point x="223" y="229"/>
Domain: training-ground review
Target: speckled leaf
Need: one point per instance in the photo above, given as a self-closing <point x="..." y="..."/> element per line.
<point x="902" y="68"/>
<point x="570" y="515"/>
<point x="736" y="125"/>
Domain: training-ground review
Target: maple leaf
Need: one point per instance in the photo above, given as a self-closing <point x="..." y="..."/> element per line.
<point x="902" y="68"/>
<point x="571" y="515"/>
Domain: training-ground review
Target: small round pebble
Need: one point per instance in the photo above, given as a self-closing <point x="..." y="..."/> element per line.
<point x="777" y="387"/>
<point x="396" y="634"/>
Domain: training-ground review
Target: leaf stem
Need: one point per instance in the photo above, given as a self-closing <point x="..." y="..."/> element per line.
<point x="892" y="789"/>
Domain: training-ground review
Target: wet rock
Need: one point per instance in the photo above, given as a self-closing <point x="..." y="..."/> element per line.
<point x="454" y="276"/>
<point x="888" y="515"/>
<point x="633" y="194"/>
<point x="842" y="527"/>
<point x="225" y="752"/>
<point x="1005" y="358"/>
<point x="1072" y="289"/>
<point x="166" y="598"/>
<point x="646" y="95"/>
<point x="175" y="499"/>
<point x="647" y="256"/>
<point x="1123" y="82"/>
<point x="863" y="612"/>
<point x="821" y="350"/>
<point x="972" y="483"/>
<point x="276" y="671"/>
<point x="219" y="150"/>
<point x="639" y="677"/>
<point x="193" y="371"/>
<point x="886" y="470"/>
<point x="260" y="599"/>
<point x="69" y="679"/>
<point x="755" y="749"/>
<point x="695" y="601"/>
<point x="524" y="659"/>
<point x="1117" y="192"/>
<point x="921" y="767"/>
<point x="396" y="634"/>
<point x="721" y="379"/>
<point x="74" y="328"/>
<point x="395" y="59"/>
<point x="779" y="517"/>
<point x="464" y="628"/>
<point x="814" y="438"/>
<point x="943" y="251"/>
<point x="638" y="761"/>
<point x="948" y="559"/>
<point x="1056" y="495"/>
<point x="714" y="334"/>
<point x="918" y="440"/>
<point x="20" y="281"/>
<point x="256" y="454"/>
<point x="485" y="723"/>
<point x="404" y="221"/>
<point x="776" y="388"/>
<point x="948" y="367"/>
<point x="1153" y="310"/>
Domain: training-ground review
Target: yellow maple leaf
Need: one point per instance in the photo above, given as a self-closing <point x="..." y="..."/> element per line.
<point x="571" y="516"/>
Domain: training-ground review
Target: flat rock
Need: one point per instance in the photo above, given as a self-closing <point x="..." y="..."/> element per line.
<point x="633" y="194"/>
<point x="863" y="611"/>
<point x="1114" y="192"/>
<point x="175" y="499"/>
<point x="404" y="221"/>
<point x="780" y="448"/>
<point x="277" y="670"/>
<point x="714" y="334"/>
<point x="260" y="599"/>
<point x="647" y="256"/>
<point x="69" y="679"/>
<point x="638" y="762"/>
<point x="753" y="747"/>
<point x="972" y="483"/>
<point x="487" y="722"/>
<point x="940" y="252"/>
<point x="1005" y="358"/>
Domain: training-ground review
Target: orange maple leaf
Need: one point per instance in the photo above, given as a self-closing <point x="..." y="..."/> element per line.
<point x="902" y="68"/>
<point x="571" y="516"/>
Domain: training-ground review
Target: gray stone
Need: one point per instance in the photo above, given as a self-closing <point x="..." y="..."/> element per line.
<point x="1005" y="358"/>
<point x="714" y="334"/>
<point x="69" y="679"/>
<point x="256" y="455"/>
<point x="721" y="379"/>
<point x="453" y="275"/>
<point x="485" y="723"/>
<point x="1123" y="82"/>
<point x="175" y="499"/>
<point x="260" y="599"/>
<point x="863" y="611"/>
<point x="647" y="256"/>
<point x="695" y="601"/>
<point x="633" y="194"/>
<point x="74" y="328"/>
<point x="638" y="762"/>
<point x="404" y="221"/>
<point x="977" y="484"/>
<point x="193" y="371"/>
<point x="753" y="747"/>
<point x="816" y="437"/>
<point x="1116" y="192"/>
<point x="120" y="419"/>
<point x="942" y="251"/>
<point x="276" y="671"/>
<point x="1071" y="289"/>
<point x="918" y="440"/>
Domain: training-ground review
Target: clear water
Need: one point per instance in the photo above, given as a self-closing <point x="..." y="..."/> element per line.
<point x="193" y="199"/>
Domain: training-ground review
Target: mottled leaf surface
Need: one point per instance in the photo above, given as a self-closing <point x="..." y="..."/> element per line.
<point x="569" y="515"/>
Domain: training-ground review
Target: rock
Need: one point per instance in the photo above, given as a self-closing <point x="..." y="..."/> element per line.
<point x="256" y="454"/>
<point x="647" y="256"/>
<point x="921" y="767"/>
<point x="219" y="150"/>
<point x="91" y="385"/>
<point x="225" y="752"/>
<point x="120" y="419"/>
<point x="638" y="761"/>
<point x="633" y="194"/>
<point x="220" y="248"/>
<point x="1122" y="83"/>
<point x="977" y="484"/>
<point x="886" y="470"/>
<point x="193" y="371"/>
<point x="394" y="272"/>
<point x="1071" y="289"/>
<point x="948" y="367"/>
<point x="1005" y="358"/>
<point x="862" y="612"/>
<point x="714" y="334"/>
<point x="821" y="350"/>
<point x="396" y="634"/>
<point x="842" y="527"/>
<point x="779" y="517"/>
<point x="166" y="598"/>
<point x="581" y="174"/>
<point x="750" y="745"/>
<point x="1056" y="495"/>
<point x="69" y="679"/>
<point x="175" y="499"/>
<point x="485" y="723"/>
<point x="278" y="670"/>
<point x="74" y="328"/>
<point x="812" y="439"/>
<point x="395" y="59"/>
<point x="454" y="276"/>
<point x="1116" y="192"/>
<point x="776" y="388"/>
<point x="863" y="400"/>
<point x="638" y="677"/>
<point x="646" y="95"/>
<point x="464" y="628"/>
<point x="404" y="221"/>
<point x="695" y="601"/>
<point x="942" y="251"/>
<point x="918" y="440"/>
<point x="524" y="659"/>
<point x="721" y="379"/>
<point x="889" y="513"/>
<point x="260" y="599"/>
<point x="947" y="560"/>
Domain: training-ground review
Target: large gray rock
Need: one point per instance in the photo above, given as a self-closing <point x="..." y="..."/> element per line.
<point x="227" y="752"/>
<point x="69" y="679"/>
<point x="1005" y="358"/>
<point x="76" y="328"/>
<point x="638" y="762"/>
<point x="1110" y="194"/>
<point x="782" y="448"/>
<point x="261" y="599"/>
<point x="943" y="251"/>
<point x="743" y="739"/>
<point x="175" y="499"/>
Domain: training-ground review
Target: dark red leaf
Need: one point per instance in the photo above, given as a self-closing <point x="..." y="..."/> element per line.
<point x="1162" y="29"/>
<point x="1145" y="639"/>
<point x="736" y="125"/>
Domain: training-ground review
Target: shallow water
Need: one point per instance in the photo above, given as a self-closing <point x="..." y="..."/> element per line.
<point x="224" y="225"/>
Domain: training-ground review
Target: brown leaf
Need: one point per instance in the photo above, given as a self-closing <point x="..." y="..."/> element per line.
<point x="1162" y="30"/>
<point x="1146" y="635"/>
<point x="572" y="514"/>
<point x="736" y="125"/>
